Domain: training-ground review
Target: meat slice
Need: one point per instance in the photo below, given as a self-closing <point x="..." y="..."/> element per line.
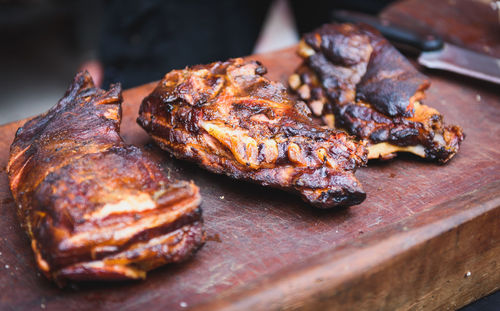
<point x="229" y="119"/>
<point x="356" y="80"/>
<point x="94" y="207"/>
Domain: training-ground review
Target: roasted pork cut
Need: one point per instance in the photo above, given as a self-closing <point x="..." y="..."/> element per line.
<point x="94" y="207"/>
<point x="230" y="119"/>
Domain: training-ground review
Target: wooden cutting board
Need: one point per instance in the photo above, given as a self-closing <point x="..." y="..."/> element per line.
<point x="427" y="237"/>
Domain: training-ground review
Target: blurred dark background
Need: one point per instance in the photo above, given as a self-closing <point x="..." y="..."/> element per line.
<point x="45" y="42"/>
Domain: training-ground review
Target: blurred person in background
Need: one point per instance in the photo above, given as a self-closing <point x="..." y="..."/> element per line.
<point x="134" y="42"/>
<point x="142" y="40"/>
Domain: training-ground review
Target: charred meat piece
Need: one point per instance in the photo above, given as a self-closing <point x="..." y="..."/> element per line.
<point x="94" y="207"/>
<point x="229" y="119"/>
<point x="355" y="79"/>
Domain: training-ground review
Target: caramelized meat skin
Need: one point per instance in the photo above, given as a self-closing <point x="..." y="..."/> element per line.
<point x="229" y="119"/>
<point x="94" y="207"/>
<point x="353" y="76"/>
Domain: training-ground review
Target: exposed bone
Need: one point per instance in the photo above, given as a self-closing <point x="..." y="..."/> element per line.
<point x="304" y="92"/>
<point x="294" y="81"/>
<point x="305" y="50"/>
<point x="385" y="150"/>
<point x="316" y="107"/>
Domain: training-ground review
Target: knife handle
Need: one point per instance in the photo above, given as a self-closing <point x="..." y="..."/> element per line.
<point x="422" y="42"/>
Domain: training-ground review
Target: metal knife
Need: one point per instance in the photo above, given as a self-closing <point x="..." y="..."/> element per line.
<point x="435" y="53"/>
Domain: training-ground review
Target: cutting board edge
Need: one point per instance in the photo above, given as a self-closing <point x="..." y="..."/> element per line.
<point x="326" y="284"/>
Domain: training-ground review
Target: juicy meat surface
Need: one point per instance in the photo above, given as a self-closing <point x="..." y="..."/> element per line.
<point x="356" y="80"/>
<point x="229" y="119"/>
<point x="94" y="207"/>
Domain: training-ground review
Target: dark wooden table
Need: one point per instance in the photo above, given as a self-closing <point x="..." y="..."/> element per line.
<point x="427" y="237"/>
<point x="471" y="24"/>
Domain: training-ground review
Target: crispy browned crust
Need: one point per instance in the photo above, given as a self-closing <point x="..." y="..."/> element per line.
<point x="94" y="207"/>
<point x="229" y="119"/>
<point x="353" y="73"/>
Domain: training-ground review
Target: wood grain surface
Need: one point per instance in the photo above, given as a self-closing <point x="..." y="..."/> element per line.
<point x="427" y="237"/>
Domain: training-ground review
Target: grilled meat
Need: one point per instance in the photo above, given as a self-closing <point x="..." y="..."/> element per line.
<point x="354" y="79"/>
<point x="229" y="119"/>
<point x="94" y="207"/>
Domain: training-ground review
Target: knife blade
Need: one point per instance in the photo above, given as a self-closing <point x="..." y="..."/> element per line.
<point x="462" y="61"/>
<point x="435" y="54"/>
